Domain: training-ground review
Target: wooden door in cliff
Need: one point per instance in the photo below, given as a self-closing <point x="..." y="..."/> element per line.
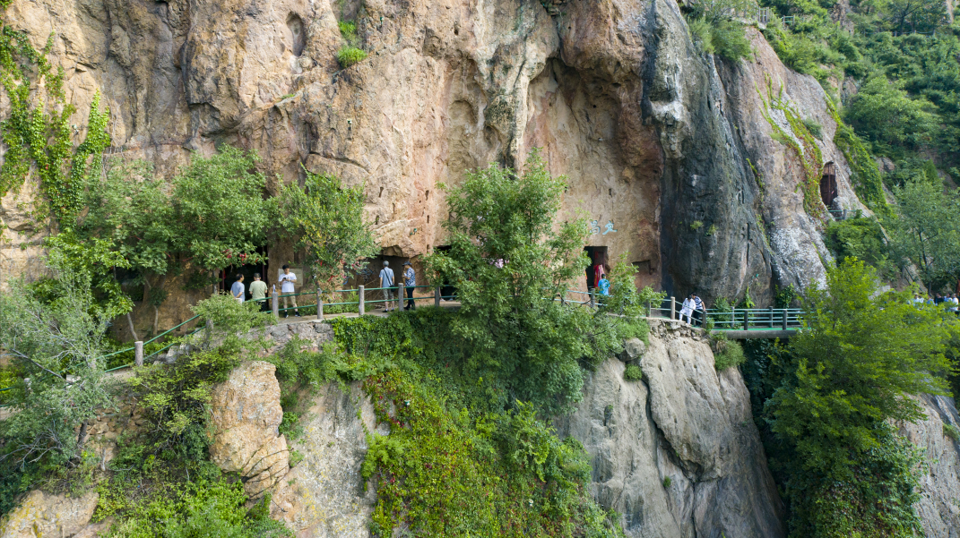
<point x="828" y="184"/>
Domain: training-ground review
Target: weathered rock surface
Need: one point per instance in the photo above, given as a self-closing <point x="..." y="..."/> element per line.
<point x="653" y="137"/>
<point x="246" y="415"/>
<point x="939" y="506"/>
<point x="324" y="495"/>
<point x="686" y="423"/>
<point x="42" y="515"/>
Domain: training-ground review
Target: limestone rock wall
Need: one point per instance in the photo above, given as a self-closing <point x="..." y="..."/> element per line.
<point x="653" y="137"/>
<point x="676" y="453"/>
<point x="939" y="506"/>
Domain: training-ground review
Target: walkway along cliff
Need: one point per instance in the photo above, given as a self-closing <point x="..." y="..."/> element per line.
<point x="691" y="165"/>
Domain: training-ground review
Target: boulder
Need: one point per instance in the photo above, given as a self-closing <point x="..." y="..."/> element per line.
<point x="246" y="416"/>
<point x="633" y="349"/>
<point x="42" y="515"/>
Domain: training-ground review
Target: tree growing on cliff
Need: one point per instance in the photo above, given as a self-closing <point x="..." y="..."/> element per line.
<point x="53" y="345"/>
<point x="507" y="254"/>
<point x="328" y="219"/>
<point x="925" y="231"/>
<point x="211" y="215"/>
<point x="856" y="366"/>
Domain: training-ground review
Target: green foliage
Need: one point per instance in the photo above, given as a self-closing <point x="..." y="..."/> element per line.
<point x="667" y="482"/>
<point x="864" y="171"/>
<point x="714" y="29"/>
<point x="55" y="378"/>
<point x="727" y="353"/>
<point x="507" y="254"/>
<point x="348" y="30"/>
<point x="847" y="375"/>
<point x="815" y="129"/>
<point x="785" y="296"/>
<point x="505" y="474"/>
<point x="211" y="215"/>
<point x="348" y="56"/>
<point x="633" y="373"/>
<point x="884" y="114"/>
<point x="328" y="220"/>
<point x="926" y="231"/>
<point x="37" y="133"/>
<point x="951" y="431"/>
<point x="801" y="141"/>
<point x="192" y="510"/>
<point x="861" y="238"/>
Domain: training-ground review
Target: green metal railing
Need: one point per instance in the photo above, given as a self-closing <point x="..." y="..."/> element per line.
<point x="737" y="319"/>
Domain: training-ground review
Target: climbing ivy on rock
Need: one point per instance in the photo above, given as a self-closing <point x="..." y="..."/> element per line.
<point x="37" y="134"/>
<point x="803" y="143"/>
<point x="864" y="172"/>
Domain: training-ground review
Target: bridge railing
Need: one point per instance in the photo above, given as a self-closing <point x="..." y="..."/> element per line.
<point x="734" y="319"/>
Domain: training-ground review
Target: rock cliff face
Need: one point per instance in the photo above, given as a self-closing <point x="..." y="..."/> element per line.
<point x="676" y="453"/>
<point x="939" y="506"/>
<point x="653" y="136"/>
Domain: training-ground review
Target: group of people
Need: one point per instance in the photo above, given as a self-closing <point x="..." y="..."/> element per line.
<point x="386" y="282"/>
<point x="692" y="308"/>
<point x="258" y="290"/>
<point x="287" y="282"/>
<point x="938" y="299"/>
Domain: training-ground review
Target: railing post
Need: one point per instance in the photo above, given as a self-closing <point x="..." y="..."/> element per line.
<point x="362" y="301"/>
<point x="746" y="320"/>
<point x="673" y="308"/>
<point x="401" y="288"/>
<point x="275" y="304"/>
<point x="138" y="353"/>
<point x="650" y="308"/>
<point x="784" y="319"/>
<point x="436" y="297"/>
<point x="770" y="321"/>
<point x="319" y="304"/>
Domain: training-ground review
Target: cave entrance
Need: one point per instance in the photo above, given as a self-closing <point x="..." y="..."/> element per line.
<point x="229" y="275"/>
<point x="598" y="256"/>
<point x="828" y="184"/>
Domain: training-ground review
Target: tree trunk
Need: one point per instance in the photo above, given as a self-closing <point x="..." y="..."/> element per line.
<point x="132" y="330"/>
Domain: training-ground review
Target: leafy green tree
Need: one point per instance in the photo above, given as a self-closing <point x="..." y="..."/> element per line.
<point x="211" y="215"/>
<point x="55" y="346"/>
<point x="328" y="219"/>
<point x="862" y="355"/>
<point x="507" y="254"/>
<point x="714" y="26"/>
<point x="926" y="231"/>
<point x="884" y="113"/>
<point x="913" y="15"/>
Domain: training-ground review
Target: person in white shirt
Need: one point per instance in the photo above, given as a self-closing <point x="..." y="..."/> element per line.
<point x="287" y="288"/>
<point x="688" y="305"/>
<point x="386" y="282"/>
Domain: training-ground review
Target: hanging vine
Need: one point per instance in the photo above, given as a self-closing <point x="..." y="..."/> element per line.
<point x="36" y="135"/>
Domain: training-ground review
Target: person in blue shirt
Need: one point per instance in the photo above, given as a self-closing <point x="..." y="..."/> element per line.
<point x="238" y="289"/>
<point x="386" y="282"/>
<point x="409" y="280"/>
<point x="603" y="286"/>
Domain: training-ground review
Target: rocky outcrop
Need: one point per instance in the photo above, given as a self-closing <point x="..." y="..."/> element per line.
<point x="324" y="494"/>
<point x="676" y="453"/>
<point x="41" y="515"/>
<point x="939" y="506"/>
<point x="246" y="416"/>
<point x="656" y="139"/>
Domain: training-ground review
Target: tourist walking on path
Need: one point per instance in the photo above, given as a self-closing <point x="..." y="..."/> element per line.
<point x="258" y="292"/>
<point x="237" y="289"/>
<point x="687" y="310"/>
<point x="386" y="282"/>
<point x="410" y="281"/>
<point x="287" y="288"/>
